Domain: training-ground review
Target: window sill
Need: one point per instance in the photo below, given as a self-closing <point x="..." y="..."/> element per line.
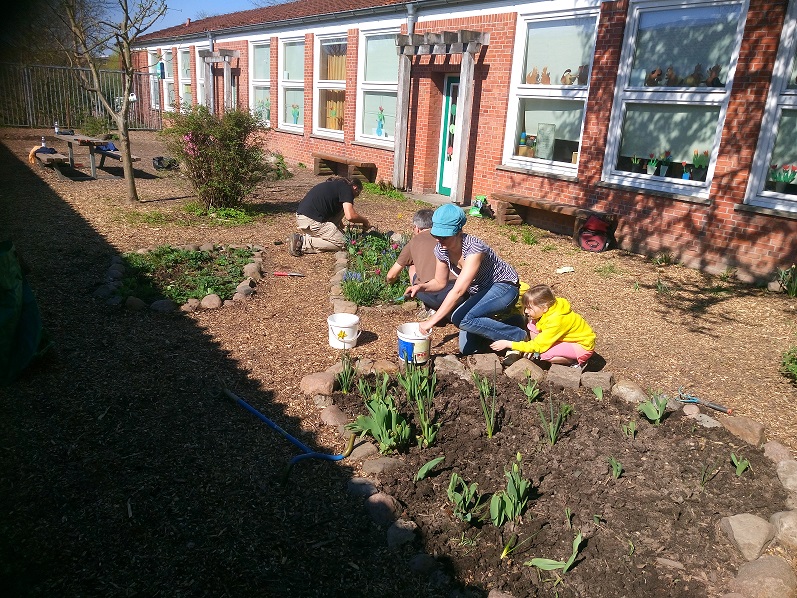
<point x="379" y="146"/>
<point x="338" y="138"/>
<point x="743" y="207"/>
<point x="288" y="131"/>
<point x="534" y="172"/>
<point x="676" y="196"/>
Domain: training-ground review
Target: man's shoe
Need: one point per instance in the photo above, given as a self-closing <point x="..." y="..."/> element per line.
<point x="295" y="242"/>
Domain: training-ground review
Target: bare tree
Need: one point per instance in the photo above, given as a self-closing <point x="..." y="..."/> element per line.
<point x="99" y="26"/>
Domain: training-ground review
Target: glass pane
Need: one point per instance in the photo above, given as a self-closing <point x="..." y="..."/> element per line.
<point x="167" y="65"/>
<point x="331" y="109"/>
<point x="657" y="129"/>
<point x="685" y="47"/>
<point x="261" y="56"/>
<point x="559" y="52"/>
<point x="784" y="155"/>
<point x="185" y="95"/>
<point x="170" y="99"/>
<point x="293" y="112"/>
<point x="381" y="59"/>
<point x="333" y="60"/>
<point x="262" y="104"/>
<point x="185" y="64"/>
<point x="293" y="69"/>
<point x="549" y="129"/>
<point x="200" y="88"/>
<point x="379" y="114"/>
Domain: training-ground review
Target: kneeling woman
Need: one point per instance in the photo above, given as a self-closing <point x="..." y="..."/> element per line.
<point x="485" y="284"/>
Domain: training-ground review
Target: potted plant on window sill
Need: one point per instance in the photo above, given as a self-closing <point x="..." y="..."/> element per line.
<point x="782" y="176"/>
<point x="699" y="165"/>
<point x="636" y="164"/>
<point x="652" y="164"/>
<point x="664" y="162"/>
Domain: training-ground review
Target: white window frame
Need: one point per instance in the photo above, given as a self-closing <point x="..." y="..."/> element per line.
<point x="289" y="85"/>
<point x="199" y="96"/>
<point x="372" y="86"/>
<point x="259" y="83"/>
<point x="626" y="94"/>
<point x="779" y="98"/>
<point x="182" y="53"/>
<point x="168" y="80"/>
<point x="326" y="84"/>
<point x="154" y="82"/>
<point x="519" y="90"/>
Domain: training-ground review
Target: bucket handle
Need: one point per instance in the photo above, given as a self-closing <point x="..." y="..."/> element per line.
<point x="345" y="340"/>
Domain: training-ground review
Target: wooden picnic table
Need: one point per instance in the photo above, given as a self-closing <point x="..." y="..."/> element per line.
<point x="83" y="140"/>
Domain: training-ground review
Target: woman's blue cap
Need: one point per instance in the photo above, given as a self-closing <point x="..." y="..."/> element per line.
<point x="447" y="220"/>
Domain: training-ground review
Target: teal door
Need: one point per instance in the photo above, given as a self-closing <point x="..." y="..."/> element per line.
<point x="448" y="151"/>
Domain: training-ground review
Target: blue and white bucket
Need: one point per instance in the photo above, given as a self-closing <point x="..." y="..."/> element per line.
<point x="413" y="345"/>
<point x="344" y="330"/>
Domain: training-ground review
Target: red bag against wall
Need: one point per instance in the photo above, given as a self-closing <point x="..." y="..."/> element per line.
<point x="594" y="234"/>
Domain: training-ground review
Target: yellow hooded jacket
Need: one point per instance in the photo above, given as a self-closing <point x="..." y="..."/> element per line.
<point x="558" y="324"/>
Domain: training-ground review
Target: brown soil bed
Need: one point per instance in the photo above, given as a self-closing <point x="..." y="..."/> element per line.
<point x="123" y="475"/>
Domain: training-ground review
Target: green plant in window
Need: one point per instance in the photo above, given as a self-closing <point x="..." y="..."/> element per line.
<point x="635" y="160"/>
<point x="652" y="160"/>
<point x="785" y="174"/>
<point x="700" y="160"/>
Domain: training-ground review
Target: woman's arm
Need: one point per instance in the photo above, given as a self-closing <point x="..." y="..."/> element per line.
<point x="465" y="279"/>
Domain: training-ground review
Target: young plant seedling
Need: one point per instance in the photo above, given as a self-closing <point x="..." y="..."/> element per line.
<point x="419" y="385"/>
<point x="741" y="464"/>
<point x="464" y="497"/>
<point x="616" y="466"/>
<point x="512" y="544"/>
<point x="427" y="467"/>
<point x="654" y="409"/>
<point x="629" y="429"/>
<point x="708" y="471"/>
<point x="508" y="505"/>
<point x="346" y="376"/>
<point x="530" y="388"/>
<point x="551" y="565"/>
<point x="384" y="423"/>
<point x="552" y="427"/>
<point x="598" y="391"/>
<point x="488" y="409"/>
<point x="569" y="518"/>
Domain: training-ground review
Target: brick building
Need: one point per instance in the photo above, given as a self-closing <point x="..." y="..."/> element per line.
<point x="581" y="103"/>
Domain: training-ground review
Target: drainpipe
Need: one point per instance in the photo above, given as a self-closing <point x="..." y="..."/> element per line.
<point x="412" y="17"/>
<point x="210" y="92"/>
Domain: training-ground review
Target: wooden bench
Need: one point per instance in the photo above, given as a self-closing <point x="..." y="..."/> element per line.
<point x="114" y="155"/>
<point x="341" y="166"/>
<point x="54" y="161"/>
<point x="505" y="206"/>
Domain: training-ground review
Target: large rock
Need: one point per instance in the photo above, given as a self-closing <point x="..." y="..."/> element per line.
<point x="341" y="306"/>
<point x="785" y="524"/>
<point x="333" y="416"/>
<point x="562" y="376"/>
<point x="485" y="364"/>
<point x="525" y="367"/>
<point x="766" y="577"/>
<point x="253" y="271"/>
<point x="750" y="533"/>
<point x="382" y="508"/>
<point x="746" y="429"/>
<point x="787" y="474"/>
<point x="401" y="532"/>
<point x="602" y="380"/>
<point x="320" y="383"/>
<point x="448" y="364"/>
<point x="776" y="452"/>
<point x="629" y="391"/>
<point x="212" y="301"/>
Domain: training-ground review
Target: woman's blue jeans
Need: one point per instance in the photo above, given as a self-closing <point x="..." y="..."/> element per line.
<point x="475" y="322"/>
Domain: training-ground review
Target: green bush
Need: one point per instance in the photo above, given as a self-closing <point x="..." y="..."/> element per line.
<point x="788" y="364"/>
<point x="95" y="126"/>
<point x="221" y="156"/>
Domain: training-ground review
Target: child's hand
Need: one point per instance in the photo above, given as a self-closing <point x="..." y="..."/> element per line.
<point x="501" y="345"/>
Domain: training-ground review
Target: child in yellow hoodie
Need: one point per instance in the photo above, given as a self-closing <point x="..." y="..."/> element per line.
<point x="557" y="334"/>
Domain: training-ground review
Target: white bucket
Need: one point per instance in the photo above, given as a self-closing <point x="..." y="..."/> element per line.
<point x="413" y="345"/>
<point x="344" y="330"/>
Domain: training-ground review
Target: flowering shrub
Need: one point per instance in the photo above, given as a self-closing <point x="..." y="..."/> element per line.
<point x="220" y="156"/>
<point x="786" y="174"/>
<point x="370" y="257"/>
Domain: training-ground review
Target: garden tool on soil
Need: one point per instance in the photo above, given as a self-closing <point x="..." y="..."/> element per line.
<point x="684" y="397"/>
<point x="288" y="274"/>
<point x="308" y="452"/>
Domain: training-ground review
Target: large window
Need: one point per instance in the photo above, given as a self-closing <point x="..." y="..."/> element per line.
<point x="292" y="85"/>
<point x="154" y="80"/>
<point x="675" y="78"/>
<point x="168" y="80"/>
<point x="549" y="91"/>
<point x="261" y="82"/>
<point x="378" y="89"/>
<point x="330" y="85"/>
<point x="186" y="95"/>
<point x="773" y="181"/>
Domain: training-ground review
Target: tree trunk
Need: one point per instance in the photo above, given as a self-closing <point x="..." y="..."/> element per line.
<point x="127" y="161"/>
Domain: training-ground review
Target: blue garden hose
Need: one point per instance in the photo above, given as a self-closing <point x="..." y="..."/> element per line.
<point x="308" y="453"/>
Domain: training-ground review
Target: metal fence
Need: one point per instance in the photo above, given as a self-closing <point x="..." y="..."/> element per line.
<point x="37" y="96"/>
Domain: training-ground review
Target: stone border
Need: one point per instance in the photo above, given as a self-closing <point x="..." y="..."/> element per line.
<point x="253" y="272"/>
<point x="762" y="576"/>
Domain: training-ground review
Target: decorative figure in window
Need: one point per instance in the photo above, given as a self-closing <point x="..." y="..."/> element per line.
<point x="545" y="77"/>
<point x="653" y="78"/>
<point x="533" y="77"/>
<point x="380" y="121"/>
<point x="567" y="77"/>
<point x="696" y="78"/>
<point x="583" y="74"/>
<point x="713" y="77"/>
<point x="449" y="153"/>
<point x="295" y="113"/>
<point x="671" y="77"/>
